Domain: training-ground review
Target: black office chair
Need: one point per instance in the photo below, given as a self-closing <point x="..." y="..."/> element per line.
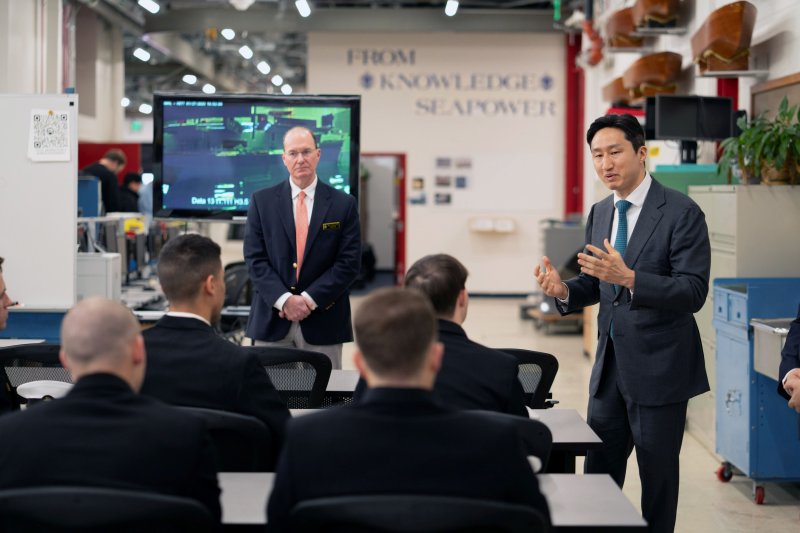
<point x="242" y="443"/>
<point x="537" y="371"/>
<point x="536" y="436"/>
<point x="300" y="376"/>
<point x="93" y="509"/>
<point x="26" y="363"/>
<point x="238" y="292"/>
<point x="413" y="513"/>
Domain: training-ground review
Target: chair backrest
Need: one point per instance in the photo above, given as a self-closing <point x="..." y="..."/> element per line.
<point x="242" y="443"/>
<point x="412" y="513"/>
<point x="536" y="436"/>
<point x="26" y="363"/>
<point x="300" y="376"/>
<point x="238" y="287"/>
<point x="90" y="509"/>
<point x="537" y="371"/>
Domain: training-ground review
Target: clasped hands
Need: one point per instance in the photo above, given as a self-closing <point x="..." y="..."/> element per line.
<point x="605" y="265"/>
<point x="792" y="388"/>
<point x="296" y="308"/>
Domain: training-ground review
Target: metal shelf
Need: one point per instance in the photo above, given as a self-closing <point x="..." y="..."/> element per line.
<point x="734" y="74"/>
<point x="653" y="32"/>
<point x="629" y="50"/>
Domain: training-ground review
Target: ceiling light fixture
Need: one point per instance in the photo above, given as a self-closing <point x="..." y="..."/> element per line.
<point x="191" y="79"/>
<point x="303" y="8"/>
<point x="146" y="109"/>
<point x="263" y="67"/>
<point x="277" y="80"/>
<point x="209" y="89"/>
<point x="286" y="89"/>
<point x="228" y="33"/>
<point x="241" y="5"/>
<point x="246" y="52"/>
<point x="125" y="102"/>
<point x="451" y="7"/>
<point x="149" y="5"/>
<point x="141" y="54"/>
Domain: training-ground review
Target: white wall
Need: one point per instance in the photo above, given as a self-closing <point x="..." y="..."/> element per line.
<point x="776" y="39"/>
<point x="30" y="41"/>
<point x="511" y="135"/>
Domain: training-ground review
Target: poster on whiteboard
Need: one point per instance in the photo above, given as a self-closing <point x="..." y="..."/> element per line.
<point x="48" y="138"/>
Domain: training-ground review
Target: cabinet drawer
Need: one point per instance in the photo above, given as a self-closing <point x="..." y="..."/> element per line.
<point x="720" y="305"/>
<point x="737" y="309"/>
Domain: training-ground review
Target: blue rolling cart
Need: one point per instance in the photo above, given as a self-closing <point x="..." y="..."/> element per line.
<point x="755" y="430"/>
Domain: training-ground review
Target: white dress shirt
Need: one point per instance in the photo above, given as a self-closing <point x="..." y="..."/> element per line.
<point x="181" y="314"/>
<point x="309" y="201"/>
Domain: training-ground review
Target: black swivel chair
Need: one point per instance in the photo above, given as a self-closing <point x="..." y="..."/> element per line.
<point x="93" y="509"/>
<point x="241" y="442"/>
<point x="413" y="513"/>
<point x="26" y="363"/>
<point x="536" y="436"/>
<point x="238" y="292"/>
<point x="300" y="376"/>
<point x="537" y="371"/>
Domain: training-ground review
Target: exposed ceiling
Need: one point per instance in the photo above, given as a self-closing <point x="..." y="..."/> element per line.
<point x="185" y="36"/>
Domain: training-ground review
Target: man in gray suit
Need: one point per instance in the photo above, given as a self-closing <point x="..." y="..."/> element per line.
<point x="648" y="283"/>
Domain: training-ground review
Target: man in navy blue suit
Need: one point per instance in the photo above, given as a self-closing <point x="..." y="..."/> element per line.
<point x="649" y="283"/>
<point x="302" y="246"/>
<point x="789" y="387"/>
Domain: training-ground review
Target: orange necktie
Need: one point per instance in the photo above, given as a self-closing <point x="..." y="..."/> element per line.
<point x="301" y="228"/>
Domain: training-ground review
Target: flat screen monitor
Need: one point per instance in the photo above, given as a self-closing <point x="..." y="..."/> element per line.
<point x="650" y="118"/>
<point x="212" y="152"/>
<point x="693" y="118"/>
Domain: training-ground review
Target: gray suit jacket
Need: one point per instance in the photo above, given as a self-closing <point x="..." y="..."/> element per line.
<point x="656" y="341"/>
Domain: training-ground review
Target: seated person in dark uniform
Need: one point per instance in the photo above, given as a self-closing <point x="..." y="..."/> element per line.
<point x="472" y="376"/>
<point x="398" y="439"/>
<point x="103" y="434"/>
<point x="129" y="193"/>
<point x="106" y="171"/>
<point x="188" y="362"/>
<point x="5" y="303"/>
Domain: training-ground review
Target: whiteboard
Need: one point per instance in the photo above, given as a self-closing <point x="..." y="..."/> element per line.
<point x="38" y="205"/>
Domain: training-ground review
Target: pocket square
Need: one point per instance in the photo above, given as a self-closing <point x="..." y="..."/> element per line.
<point x="331" y="225"/>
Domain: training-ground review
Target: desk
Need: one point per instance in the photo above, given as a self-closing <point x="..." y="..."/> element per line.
<point x="8" y="343"/>
<point x="572" y="436"/>
<point x="590" y="502"/>
<point x="342" y="382"/>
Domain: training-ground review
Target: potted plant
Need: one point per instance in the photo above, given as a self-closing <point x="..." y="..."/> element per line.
<point x="766" y="148"/>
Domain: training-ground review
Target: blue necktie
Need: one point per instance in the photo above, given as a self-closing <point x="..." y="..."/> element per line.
<point x="621" y="241"/>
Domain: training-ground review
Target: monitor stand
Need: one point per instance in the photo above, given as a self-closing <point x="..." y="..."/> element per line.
<point x="688" y="152"/>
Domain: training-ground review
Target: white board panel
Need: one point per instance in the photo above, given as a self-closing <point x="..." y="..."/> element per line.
<point x="38" y="205"/>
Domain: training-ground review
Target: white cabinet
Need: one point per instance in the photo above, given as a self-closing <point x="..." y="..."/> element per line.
<point x="754" y="231"/>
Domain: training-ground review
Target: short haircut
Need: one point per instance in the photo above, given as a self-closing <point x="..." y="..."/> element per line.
<point x="394" y="329"/>
<point x="184" y="264"/>
<point x="313" y="137"/>
<point x="441" y="278"/>
<point x="131" y="177"/>
<point x="84" y="342"/>
<point x="626" y="123"/>
<point x="116" y="155"/>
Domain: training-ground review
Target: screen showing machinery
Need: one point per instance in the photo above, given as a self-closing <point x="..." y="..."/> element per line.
<point x="212" y="152"/>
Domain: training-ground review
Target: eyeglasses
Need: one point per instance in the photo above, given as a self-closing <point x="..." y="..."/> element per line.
<point x="294" y="154"/>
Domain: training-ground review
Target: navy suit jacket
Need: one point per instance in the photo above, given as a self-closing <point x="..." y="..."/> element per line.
<point x="401" y="441"/>
<point x="473" y="376"/>
<point x="790" y="355"/>
<point x="189" y="364"/>
<point x="102" y="434"/>
<point x="656" y="341"/>
<point x="331" y="262"/>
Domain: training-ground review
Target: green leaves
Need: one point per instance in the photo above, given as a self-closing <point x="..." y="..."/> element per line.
<point x="763" y="142"/>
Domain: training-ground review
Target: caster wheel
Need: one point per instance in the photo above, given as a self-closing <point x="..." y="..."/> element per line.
<point x="759" y="495"/>
<point x="724" y="473"/>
